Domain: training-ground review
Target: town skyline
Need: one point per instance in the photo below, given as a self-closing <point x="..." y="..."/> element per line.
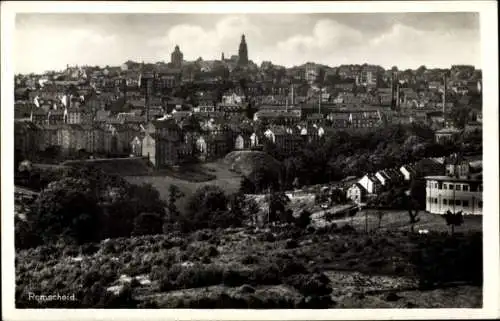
<point x="287" y="39"/>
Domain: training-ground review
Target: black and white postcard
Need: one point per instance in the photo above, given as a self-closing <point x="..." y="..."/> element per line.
<point x="262" y="160"/>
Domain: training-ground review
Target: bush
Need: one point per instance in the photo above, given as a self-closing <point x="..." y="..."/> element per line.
<point x="148" y="223"/>
<point x="266" y="274"/>
<point x="234" y="278"/>
<point x="310" y="285"/>
<point x="191" y="277"/>
<point x="267" y="237"/>
<point x="245" y="288"/>
<point x="250" y="259"/>
<point x="291" y="244"/>
<point x="303" y="220"/>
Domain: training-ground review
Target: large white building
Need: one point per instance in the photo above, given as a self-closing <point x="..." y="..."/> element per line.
<point x="454" y="193"/>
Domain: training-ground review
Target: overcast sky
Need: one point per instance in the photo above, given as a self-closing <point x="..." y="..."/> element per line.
<point x="407" y="40"/>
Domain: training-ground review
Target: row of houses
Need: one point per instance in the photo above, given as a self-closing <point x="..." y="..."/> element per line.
<point x="373" y="183"/>
<point x="452" y="183"/>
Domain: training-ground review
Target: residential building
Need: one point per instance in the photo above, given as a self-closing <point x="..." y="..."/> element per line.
<point x="356" y="193"/>
<point x="408" y="172"/>
<point x="26" y="137"/>
<point x="447" y="135"/>
<point x="161" y="143"/>
<point x="370" y="183"/>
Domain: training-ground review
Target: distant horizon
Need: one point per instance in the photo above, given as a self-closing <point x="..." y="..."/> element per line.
<point x="405" y="40"/>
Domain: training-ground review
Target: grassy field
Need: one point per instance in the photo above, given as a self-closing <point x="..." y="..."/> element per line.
<point x="229" y="181"/>
<point x="399" y="220"/>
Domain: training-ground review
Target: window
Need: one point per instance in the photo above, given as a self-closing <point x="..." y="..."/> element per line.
<point x="445" y="201"/>
<point x="457" y="187"/>
<point x="465" y="188"/>
<point x="435" y="200"/>
<point x="480" y="204"/>
<point x="457" y="202"/>
<point x="465" y="203"/>
<point x="445" y="186"/>
<point x="436" y="185"/>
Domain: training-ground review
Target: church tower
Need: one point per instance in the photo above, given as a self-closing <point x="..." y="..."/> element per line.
<point x="243" y="52"/>
<point x="176" y="57"/>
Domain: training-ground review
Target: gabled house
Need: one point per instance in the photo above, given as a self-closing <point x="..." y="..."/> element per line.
<point x="356" y="193"/>
<point x="383" y="178"/>
<point x="370" y="183"/>
<point x="408" y="172"/>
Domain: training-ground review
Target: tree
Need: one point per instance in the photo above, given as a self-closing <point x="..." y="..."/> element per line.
<point x="413" y="208"/>
<point x="304" y="219"/>
<point x="460" y="116"/>
<point x="337" y="196"/>
<point x="380" y="215"/>
<point x="174" y="193"/>
<point x="148" y="223"/>
<point x="204" y="208"/>
<point x="277" y="203"/>
<point x="252" y="209"/>
<point x="67" y="209"/>
<point x="453" y="219"/>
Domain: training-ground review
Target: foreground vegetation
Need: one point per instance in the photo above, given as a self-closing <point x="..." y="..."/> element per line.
<point x="281" y="267"/>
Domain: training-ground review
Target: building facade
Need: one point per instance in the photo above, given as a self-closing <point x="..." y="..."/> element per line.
<point x="445" y="193"/>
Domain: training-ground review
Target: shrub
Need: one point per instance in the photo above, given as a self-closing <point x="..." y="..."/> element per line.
<point x="266" y="274"/>
<point x="267" y="237"/>
<point x="250" y="259"/>
<point x="291" y="244"/>
<point x="245" y="288"/>
<point x="317" y="284"/>
<point x="191" y="277"/>
<point x="233" y="277"/>
<point x="303" y="220"/>
<point x="147" y="223"/>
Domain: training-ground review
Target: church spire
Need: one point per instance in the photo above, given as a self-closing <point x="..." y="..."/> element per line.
<point x="243" y="52"/>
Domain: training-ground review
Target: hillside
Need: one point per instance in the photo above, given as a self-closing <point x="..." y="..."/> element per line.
<point x="132" y="166"/>
<point x="228" y="180"/>
<point x="284" y="267"/>
<point x="249" y="162"/>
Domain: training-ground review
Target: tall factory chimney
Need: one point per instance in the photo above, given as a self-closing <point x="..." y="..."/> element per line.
<point x="124" y="89"/>
<point x="149" y="85"/>
<point x="444" y="99"/>
<point x="394" y="91"/>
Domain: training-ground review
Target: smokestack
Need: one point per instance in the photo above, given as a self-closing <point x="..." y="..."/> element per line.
<point x="148" y="97"/>
<point x="124" y="88"/>
<point x="397" y="94"/>
<point x="444" y="99"/>
<point x="319" y="103"/>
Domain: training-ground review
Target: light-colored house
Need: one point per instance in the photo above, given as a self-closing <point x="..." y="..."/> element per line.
<point x="201" y="146"/>
<point x="408" y="172"/>
<point x="270" y="135"/>
<point x="254" y="140"/>
<point x="136" y="146"/>
<point x="446" y="135"/>
<point x="239" y="143"/>
<point x="383" y="177"/>
<point x="370" y="183"/>
<point x="356" y="193"/>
